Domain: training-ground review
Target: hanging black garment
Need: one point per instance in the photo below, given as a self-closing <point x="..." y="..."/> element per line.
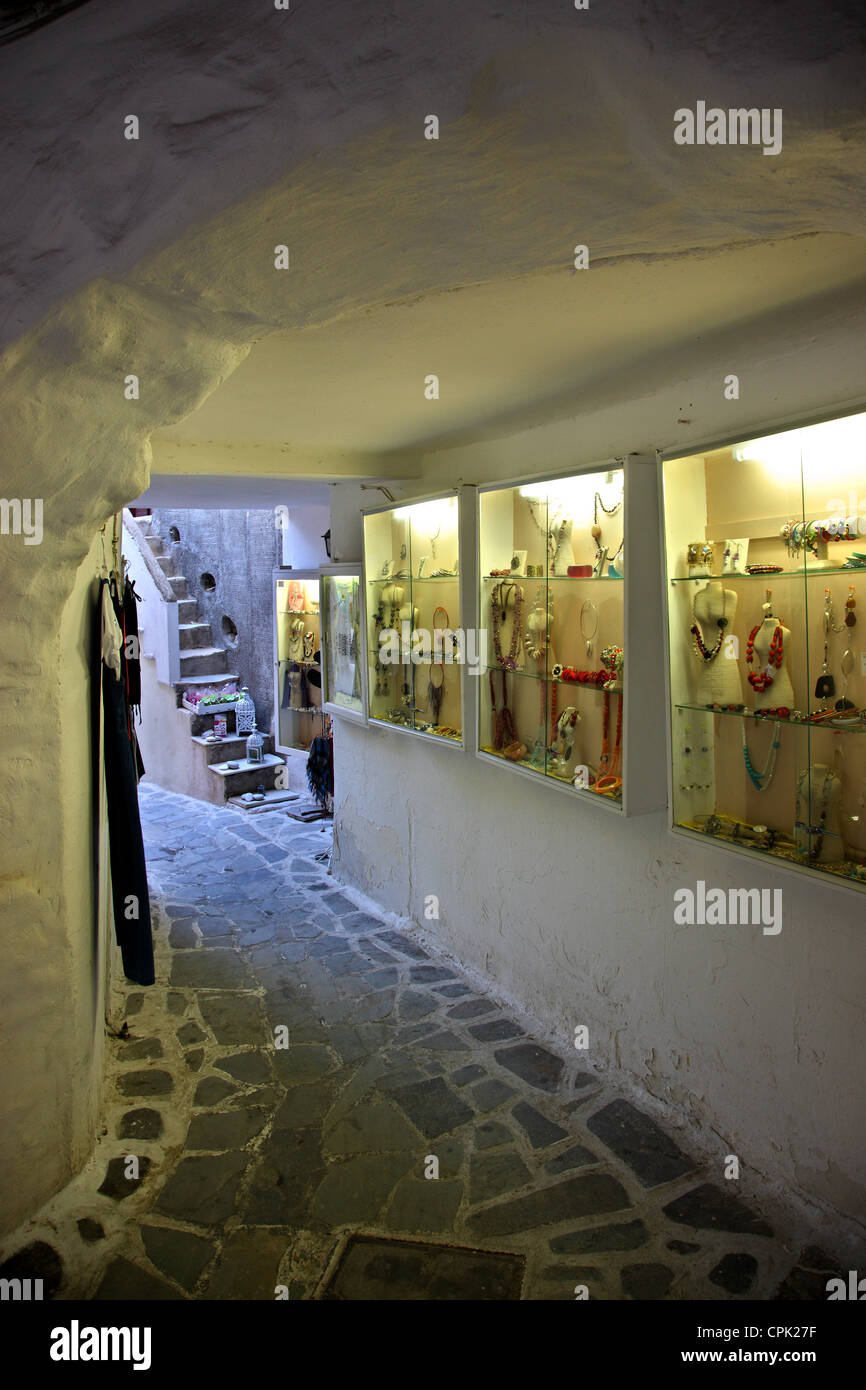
<point x="129" y="891"/>
<point x="132" y="650"/>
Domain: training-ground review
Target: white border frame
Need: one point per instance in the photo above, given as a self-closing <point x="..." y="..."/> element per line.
<point x="285" y="572"/>
<point x="443" y="494"/>
<point x="663" y="456"/>
<point x="349" y="570"/>
<point x="644" y="783"/>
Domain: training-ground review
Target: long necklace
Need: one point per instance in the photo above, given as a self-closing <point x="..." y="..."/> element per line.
<point x="702" y="650"/>
<point x="504" y="729"/>
<point x="499" y="604"/>
<point x="818" y="830"/>
<point x="602" y="552"/>
<point x="761" y="780"/>
<point x="588" y="636"/>
<point x="435" y="692"/>
<point x="607" y="778"/>
<point x="549" y="533"/>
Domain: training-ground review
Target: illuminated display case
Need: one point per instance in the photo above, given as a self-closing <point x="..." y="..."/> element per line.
<point x="297" y="658"/>
<point x="553" y="576"/>
<point x="343" y="629"/>
<point x="766" y="569"/>
<point x="413" y="618"/>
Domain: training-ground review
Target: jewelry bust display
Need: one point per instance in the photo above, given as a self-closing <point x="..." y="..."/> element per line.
<point x="714" y="613"/>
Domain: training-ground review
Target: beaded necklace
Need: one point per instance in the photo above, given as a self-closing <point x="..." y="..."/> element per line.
<point x="504" y="730"/>
<point x="702" y="650"/>
<point x="761" y="780"/>
<point x="499" y="605"/>
<point x="761" y="680"/>
<point x="608" y="768"/>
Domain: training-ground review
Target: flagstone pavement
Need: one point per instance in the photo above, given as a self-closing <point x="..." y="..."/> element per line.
<point x="311" y="1104"/>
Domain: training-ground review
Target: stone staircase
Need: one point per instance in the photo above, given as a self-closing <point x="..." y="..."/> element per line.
<point x="204" y="666"/>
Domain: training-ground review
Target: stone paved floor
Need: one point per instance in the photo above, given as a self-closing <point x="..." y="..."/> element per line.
<point x="304" y="1166"/>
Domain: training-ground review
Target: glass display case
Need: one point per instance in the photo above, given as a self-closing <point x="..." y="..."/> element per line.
<point x="766" y="559"/>
<point x="551" y="565"/>
<point x="413" y="615"/>
<point x="297" y="658"/>
<point x="343" y="628"/>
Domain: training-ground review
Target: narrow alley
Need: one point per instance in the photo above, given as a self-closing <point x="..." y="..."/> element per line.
<point x="304" y="1170"/>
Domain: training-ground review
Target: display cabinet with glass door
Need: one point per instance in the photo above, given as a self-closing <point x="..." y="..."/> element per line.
<point x="766" y="580"/>
<point x="343" y="635"/>
<point x="297" y="658"/>
<point x="413" y="595"/>
<point x="551" y="567"/>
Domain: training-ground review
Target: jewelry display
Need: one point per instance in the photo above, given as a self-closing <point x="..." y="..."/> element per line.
<point x="761" y="680"/>
<point x="435" y="691"/>
<point x="566" y="727"/>
<point x="741" y="666"/>
<point x="588" y="636"/>
<point x="501" y="596"/>
<point x="701" y="649"/>
<point x="601" y="551"/>
<point x="541" y="639"/>
<point x="406" y="548"/>
<point x="761" y="780"/>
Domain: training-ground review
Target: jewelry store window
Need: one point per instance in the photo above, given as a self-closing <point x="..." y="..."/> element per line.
<point x="343" y="666"/>
<point x="297" y="658"/>
<point x="414" y="633"/>
<point x="551" y="579"/>
<point x="766" y="556"/>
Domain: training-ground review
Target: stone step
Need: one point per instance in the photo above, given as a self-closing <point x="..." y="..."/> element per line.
<point x="204" y="659"/>
<point x="188" y="680"/>
<point x="187" y="610"/>
<point x="233" y="748"/>
<point x="178" y="584"/>
<point x="166" y="563"/>
<point x="246" y="777"/>
<point x="193" y="635"/>
<point x="155" y="543"/>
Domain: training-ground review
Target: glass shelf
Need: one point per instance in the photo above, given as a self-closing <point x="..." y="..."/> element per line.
<point x="843" y="726"/>
<point x="554" y="578"/>
<point x="811" y="573"/>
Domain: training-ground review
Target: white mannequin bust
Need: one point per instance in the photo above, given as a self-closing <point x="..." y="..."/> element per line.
<point x="718" y="679"/>
<point x="781" y="692"/>
<point x="819" y="800"/>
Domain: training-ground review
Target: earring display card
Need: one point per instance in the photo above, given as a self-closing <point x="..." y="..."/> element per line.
<point x="298" y="658"/>
<point x="415" y="665"/>
<point x="769" y="701"/>
<point x="551" y="699"/>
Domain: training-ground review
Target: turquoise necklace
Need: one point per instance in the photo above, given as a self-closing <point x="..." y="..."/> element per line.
<point x="762" y="780"/>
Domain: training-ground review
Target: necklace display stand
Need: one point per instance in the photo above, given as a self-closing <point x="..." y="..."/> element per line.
<point x="781" y="692"/>
<point x="819" y="800"/>
<point x="718" y="679"/>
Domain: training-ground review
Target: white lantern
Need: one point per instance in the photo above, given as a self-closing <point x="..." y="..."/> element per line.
<point x="255" y="747"/>
<point x="245" y="713"/>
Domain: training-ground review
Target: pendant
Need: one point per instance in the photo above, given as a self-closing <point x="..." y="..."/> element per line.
<point x="825" y="686"/>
